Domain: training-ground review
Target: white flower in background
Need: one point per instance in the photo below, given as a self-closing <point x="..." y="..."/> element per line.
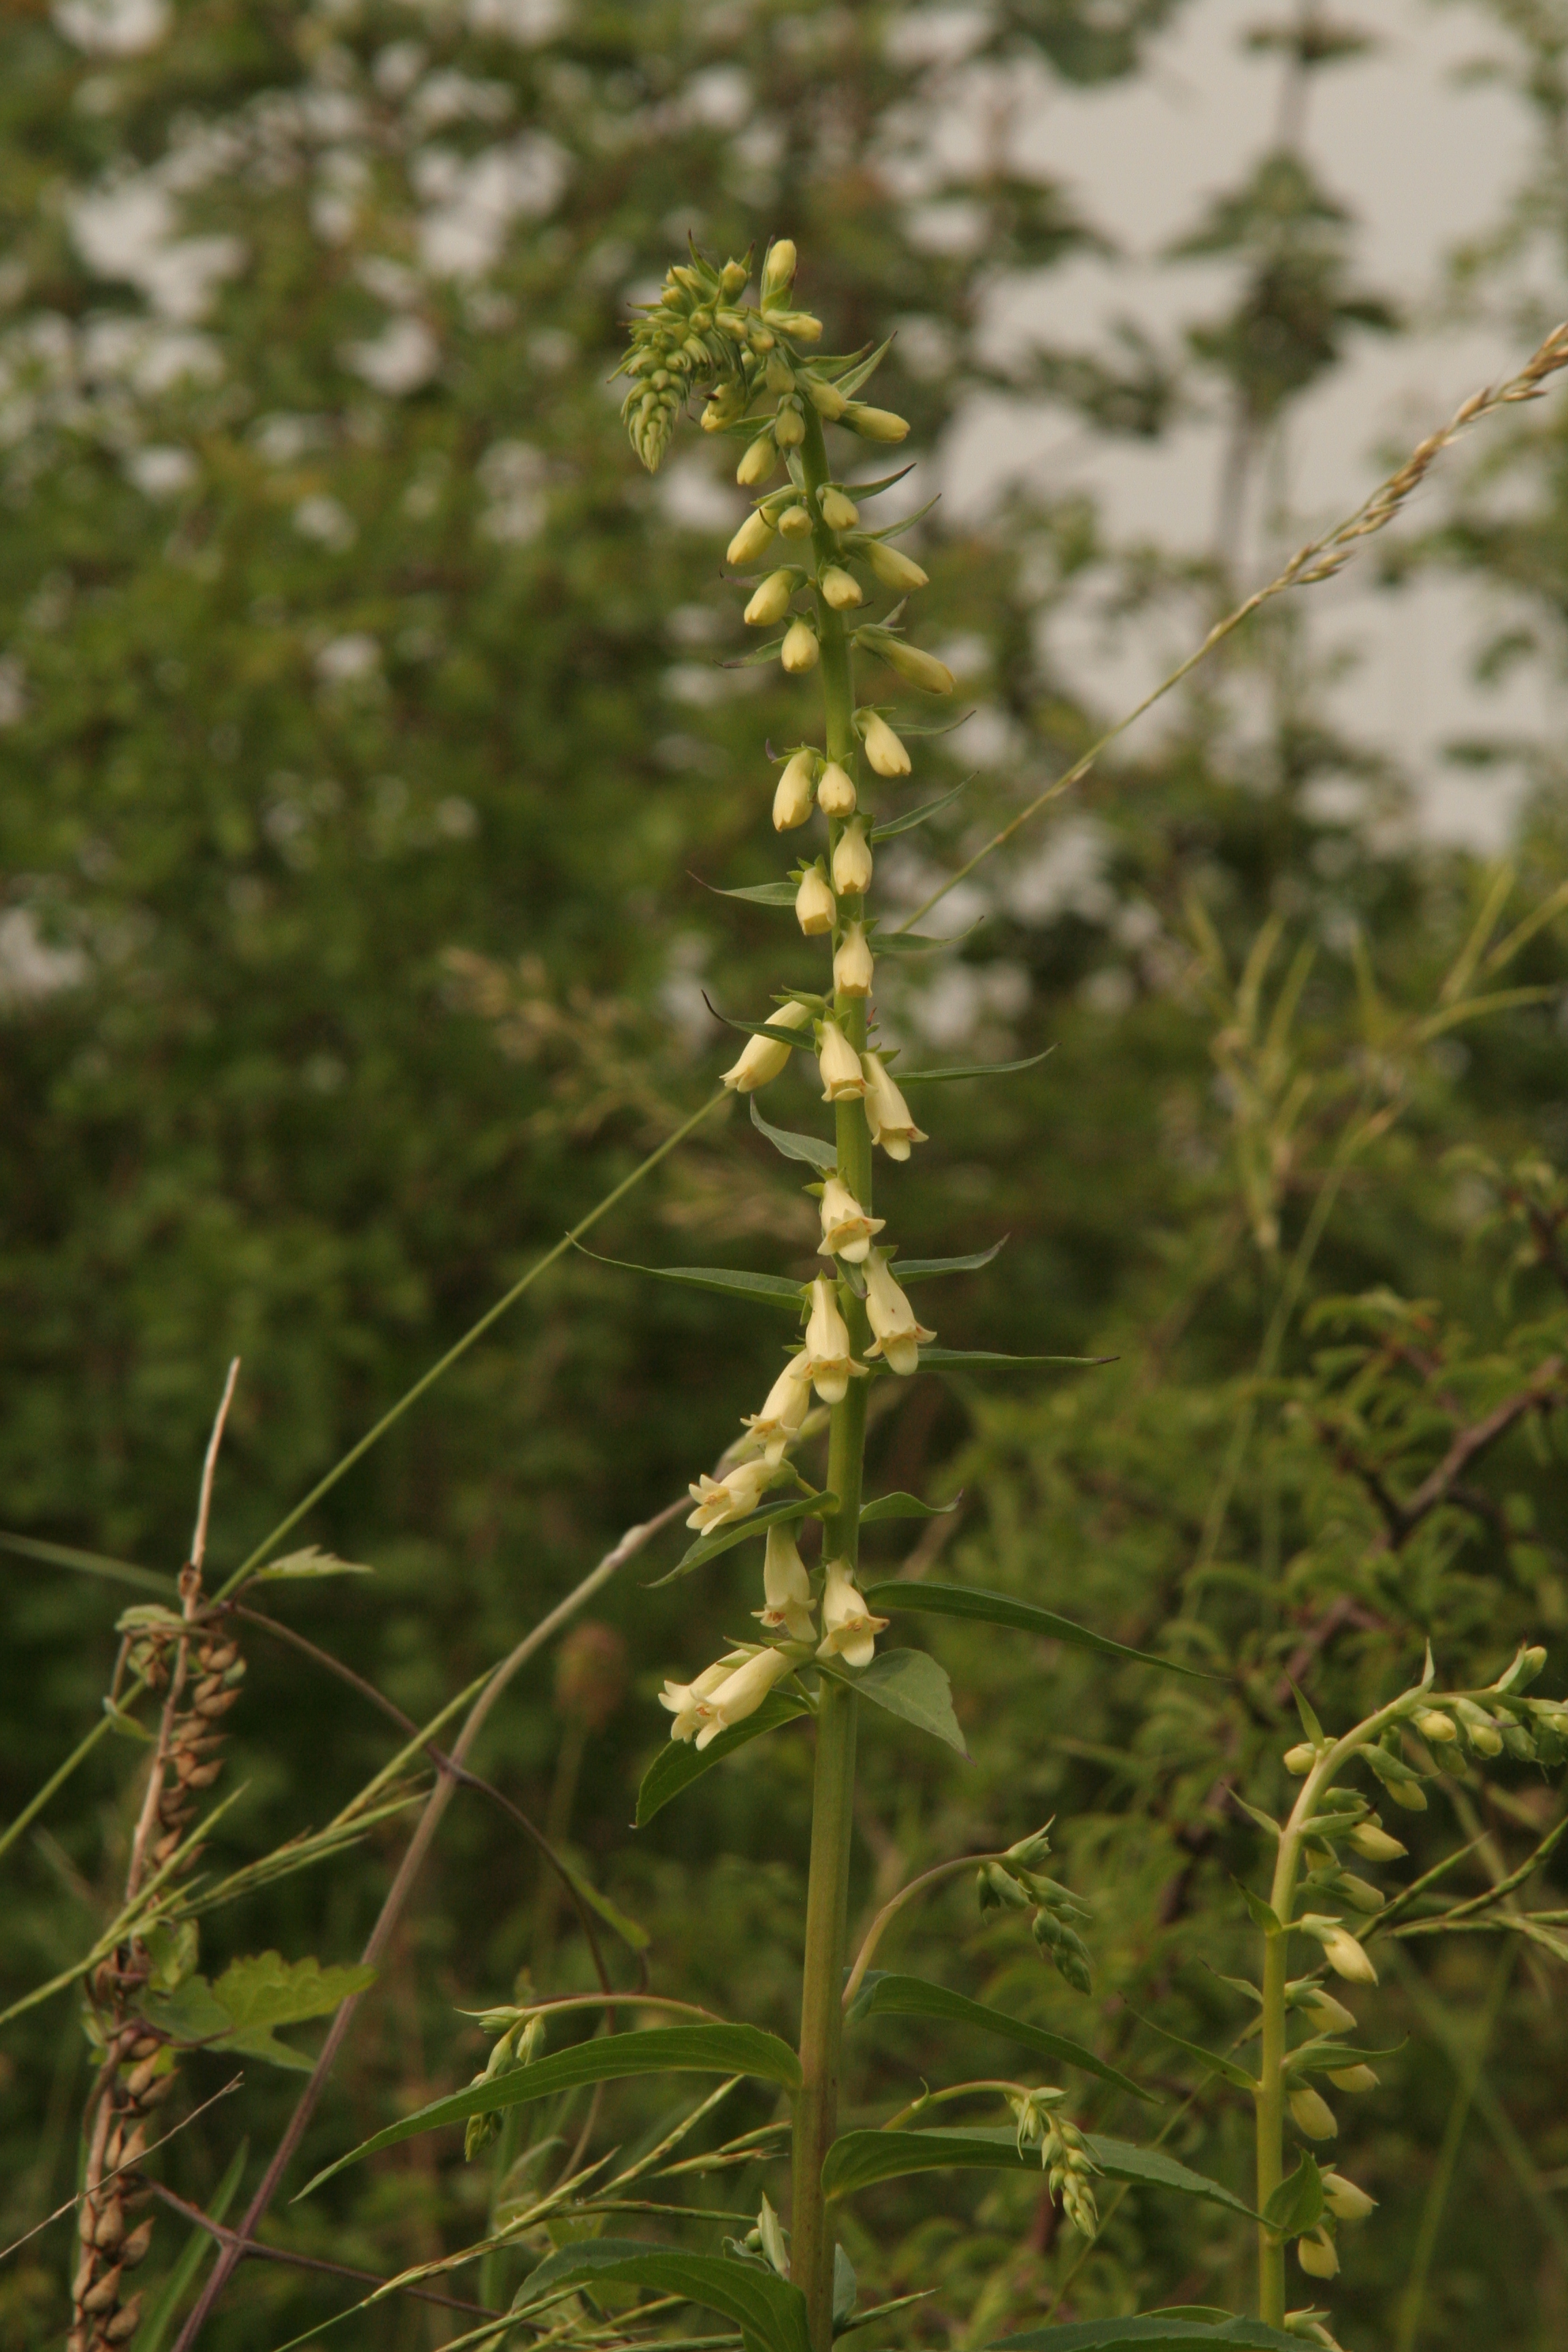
<point x="786" y="1589"/>
<point x="730" y="1498"/>
<point x="846" y="1230"/>
<point x="827" y="1357"/>
<point x="783" y="1410"/>
<point x="849" y="1630"/>
<point x="843" y="1079"/>
<point x="852" y="861"/>
<point x="762" y="1058"/>
<point x="742" y="1693"/>
<point x="892" y="1318"/>
<point x="853" y="968"/>
<point x="887" y="1110"/>
<point x="686" y="1700"/>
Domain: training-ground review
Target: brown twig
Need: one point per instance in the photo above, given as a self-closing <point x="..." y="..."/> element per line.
<point x="1443" y="1484"/>
<point x="397" y="1897"/>
<point x="72" y="2203"/>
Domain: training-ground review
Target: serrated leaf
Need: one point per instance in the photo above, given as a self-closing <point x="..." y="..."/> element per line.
<point x="807" y="1147"/>
<point x="267" y="1990"/>
<point x="1264" y="1915"/>
<point x="678" y="1762"/>
<point x="900" y="1996"/>
<point x="972" y="1070"/>
<point x="922" y="816"/>
<point x="768" y="2311"/>
<point x="1226" y="2068"/>
<point x="611" y="2058"/>
<point x="858" y="2159"/>
<point x="735" y="1531"/>
<point x="1297" y="2204"/>
<point x="312" y="1563"/>
<point x="761" y="894"/>
<point x="911" y="1685"/>
<point x="905" y="1507"/>
<point x="973" y="1601"/>
<point x="727" y="1282"/>
<point x="922" y="1269"/>
<point x="982" y="1360"/>
<point x="1152" y="2331"/>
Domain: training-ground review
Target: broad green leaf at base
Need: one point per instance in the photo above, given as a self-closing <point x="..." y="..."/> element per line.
<point x="769" y="2312"/>
<point x="679" y="1762"/>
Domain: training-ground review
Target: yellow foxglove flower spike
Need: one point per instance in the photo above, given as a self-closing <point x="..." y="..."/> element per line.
<point x="887" y="1111"/>
<point x="827" y="1357"/>
<point x="883" y="749"/>
<point x="786" y="1589"/>
<point x="846" y="1230"/>
<point x="843" y="1079"/>
<point x="800" y="651"/>
<point x="734" y="1497"/>
<point x="742" y="1693"/>
<point x="836" y="790"/>
<point x="852" y="861"/>
<point x="816" y="909"/>
<point x="853" y="968"/>
<point x="793" y="796"/>
<point x="849" y="1630"/>
<point x="762" y="1058"/>
<point x="892" y="1318"/>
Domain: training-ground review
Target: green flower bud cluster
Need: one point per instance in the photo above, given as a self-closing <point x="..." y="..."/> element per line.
<point x="1064" y="2159"/>
<point x="1010" y="1884"/>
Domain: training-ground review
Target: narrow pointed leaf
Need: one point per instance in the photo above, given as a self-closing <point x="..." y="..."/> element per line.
<point x="921" y="1269"/>
<point x="858" y="2159"/>
<point x="727" y="1282"/>
<point x="302" y="1566"/>
<point x="900" y="1996"/>
<point x="983" y="1359"/>
<point x="922" y="943"/>
<point x="610" y="2058"/>
<point x="911" y="1685"/>
<point x="972" y="1600"/>
<point x="760" y="894"/>
<point x="768" y="2311"/>
<point x="851" y="382"/>
<point x="905" y="1507"/>
<point x="921" y="815"/>
<point x="807" y="1147"/>
<point x="972" y="1070"/>
<point x="754" y="659"/>
<point x="679" y="1763"/>
<point x="1297" y="2203"/>
<point x="1152" y="2331"/>
<point x="735" y="1531"/>
<point x="1226" y="2068"/>
<point x="89" y="1563"/>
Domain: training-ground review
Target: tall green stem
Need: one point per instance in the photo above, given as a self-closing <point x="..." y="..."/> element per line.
<point x="833" y="1793"/>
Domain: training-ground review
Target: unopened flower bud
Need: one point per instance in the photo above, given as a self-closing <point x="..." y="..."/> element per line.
<point x="887" y="1112"/>
<point x="846" y="1230"/>
<point x="1348" y="1959"/>
<point x="827" y="401"/>
<point x="921" y="670"/>
<point x="883" y="749"/>
<point x="753" y="539"/>
<point x="1344" y="2201"/>
<point x="758" y="463"/>
<point x="843" y="1081"/>
<point x="1317" y="2256"/>
<point x="1301" y="1758"/>
<point x="762" y="1058"/>
<point x="740" y="1694"/>
<point x="733" y="279"/>
<point x="779" y="269"/>
<point x="1481" y="1729"/>
<point x="1313" y="2112"/>
<point x="770" y="603"/>
<point x="803" y="325"/>
<point x="1433" y="1725"/>
<point x="894" y="570"/>
<point x="789" y="427"/>
<point x="836" y="790"/>
<point x="853" y="969"/>
<point x="852" y="861"/>
<point x="827" y="1357"/>
<point x="892" y="1318"/>
<point x="816" y="909"/>
<point x="1373" y="1843"/>
<point x="786" y="1589"/>
<point x="1328" y="2015"/>
<point x="875" y="423"/>
<point x="1354" y="2078"/>
<point x="796" y="523"/>
<point x="838" y="512"/>
<point x="849" y="1631"/>
<point x="793" y="794"/>
<point x="840" y="588"/>
<point x="800" y="649"/>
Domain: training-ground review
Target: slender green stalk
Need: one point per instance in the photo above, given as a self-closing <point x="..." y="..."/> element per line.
<point x="1271" y="2105"/>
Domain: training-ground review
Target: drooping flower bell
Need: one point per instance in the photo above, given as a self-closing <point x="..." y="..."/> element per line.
<point x="770" y="603"/>
<point x="792" y="797"/>
<point x="734" y="1497"/>
<point x="843" y="1079"/>
<point x="838" y="512"/>
<point x="753" y="539"/>
<point x="783" y="1409"/>
<point x="761" y="1058"/>
<point x="686" y="1700"/>
<point x="849" y="1630"/>
<point x="816" y="909"/>
<point x="800" y="650"/>
<point x="742" y="1693"/>
<point x="853" y="968"/>
<point x="840" y="589"/>
<point x="883" y="748"/>
<point x="892" y="568"/>
<point x="836" y="790"/>
<point x="827" y="1357"/>
<point x="887" y="1111"/>
<point x="846" y="1230"/>
<point x="852" y="861"/>
<point x="786" y="1589"/>
<point x="898" y="1337"/>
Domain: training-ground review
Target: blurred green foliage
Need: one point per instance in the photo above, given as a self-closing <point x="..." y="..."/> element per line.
<point x="365" y="754"/>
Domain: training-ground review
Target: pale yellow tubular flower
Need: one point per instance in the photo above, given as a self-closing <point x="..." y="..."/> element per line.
<point x="783" y="1409"/>
<point x="800" y="650"/>
<point x="685" y="1700"/>
<point x="742" y="1694"/>
<point x="1354" y="2078"/>
<point x="838" y="512"/>
<point x="779" y="269"/>
<point x="1312" y="2113"/>
<point x="829" y="402"/>
<point x="1349" y="1959"/>
<point x="836" y="790"/>
<point x="921" y="670"/>
<point x="796" y="523"/>
<point x="754" y="538"/>
<point x="843" y="1079"/>
<point x="848" y="1629"/>
<point x="840" y="588"/>
<point x="898" y="1337"/>
<point x="892" y="567"/>
<point x="852" y="861"/>
<point x="1317" y="2256"/>
<point x="789" y="428"/>
<point x="887" y="1111"/>
<point x="793" y="796"/>
<point x="1329" y="2016"/>
<point x="758" y="462"/>
<point x="816" y="909"/>
<point x="1344" y="2201"/>
<point x="786" y="1589"/>
<point x="875" y="423"/>
<point x="1373" y="1843"/>
<point x="853" y="967"/>
<point x="846" y="1230"/>
<point x="770" y="603"/>
<point x="827" y="1357"/>
<point x="883" y="749"/>
<point x="761" y="1058"/>
<point x="732" y="1497"/>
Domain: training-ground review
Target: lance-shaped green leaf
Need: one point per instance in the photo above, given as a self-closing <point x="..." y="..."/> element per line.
<point x="630" y="1931"/>
<point x="1297" y="2204"/>
<point x="679" y="1762"/>
<point x="807" y="1147"/>
<point x="922" y="816"/>
<point x="89" y="1563"/>
<point x="922" y="943"/>
<point x="1225" y="2068"/>
<point x="911" y="1685"/>
<point x="858" y="2159"/>
<point x="850" y="383"/>
<point x="905" y="1507"/>
<point x="729" y="1282"/>
<point x="302" y="1566"/>
<point x="897" y="1995"/>
<point x="921" y="1269"/>
<point x="768" y="2311"/>
<point x="972" y="1600"/>
<point x="982" y="1360"/>
<point x="971" y="1070"/>
<point x="756" y="658"/>
<point x="736" y="1531"/>
<point x="1152" y="2331"/>
<point x="760" y="894"/>
<point x="613" y="2058"/>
